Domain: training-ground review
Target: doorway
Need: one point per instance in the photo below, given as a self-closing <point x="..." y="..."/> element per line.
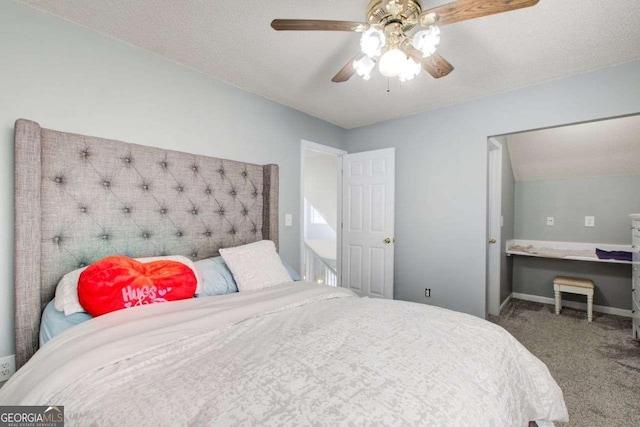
<point x="567" y="192"/>
<point x="320" y="213"/>
<point x="347" y="215"/>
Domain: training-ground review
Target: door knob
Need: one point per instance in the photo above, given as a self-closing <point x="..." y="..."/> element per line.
<point x="492" y="240"/>
<point x="387" y="240"/>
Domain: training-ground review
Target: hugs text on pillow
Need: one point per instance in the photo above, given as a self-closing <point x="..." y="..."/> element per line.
<point x="118" y="282"/>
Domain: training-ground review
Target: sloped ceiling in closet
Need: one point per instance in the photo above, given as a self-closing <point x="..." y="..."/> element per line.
<point x="603" y="148"/>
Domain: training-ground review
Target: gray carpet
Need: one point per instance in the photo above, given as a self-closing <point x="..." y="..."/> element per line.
<point x="597" y="365"/>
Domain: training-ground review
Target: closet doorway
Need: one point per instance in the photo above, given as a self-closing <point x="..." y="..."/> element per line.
<point x="558" y="204"/>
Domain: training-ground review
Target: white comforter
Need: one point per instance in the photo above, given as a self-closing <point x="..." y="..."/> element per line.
<point x="295" y="354"/>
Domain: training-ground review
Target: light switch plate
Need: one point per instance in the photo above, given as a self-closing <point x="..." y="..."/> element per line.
<point x="549" y="220"/>
<point x="288" y="220"/>
<point x="589" y="221"/>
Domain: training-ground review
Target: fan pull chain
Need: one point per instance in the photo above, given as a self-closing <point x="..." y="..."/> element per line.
<point x="388" y="85"/>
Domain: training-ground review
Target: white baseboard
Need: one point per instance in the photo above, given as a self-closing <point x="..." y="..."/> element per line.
<point x="506" y="301"/>
<point x="573" y="304"/>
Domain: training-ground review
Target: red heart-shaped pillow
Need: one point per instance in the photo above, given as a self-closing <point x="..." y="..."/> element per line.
<point x="118" y="282"/>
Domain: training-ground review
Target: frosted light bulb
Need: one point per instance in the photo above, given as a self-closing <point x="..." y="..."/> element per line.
<point x="392" y="62"/>
<point x="410" y="71"/>
<point x="372" y="42"/>
<point x="363" y="67"/>
<point x="426" y="41"/>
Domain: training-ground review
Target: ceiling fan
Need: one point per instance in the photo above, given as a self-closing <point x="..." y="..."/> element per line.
<point x="389" y="41"/>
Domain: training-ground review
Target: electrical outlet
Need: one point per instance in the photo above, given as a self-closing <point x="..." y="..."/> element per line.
<point x="427" y="292"/>
<point x="589" y="221"/>
<point x="549" y="220"/>
<point x="7" y="367"/>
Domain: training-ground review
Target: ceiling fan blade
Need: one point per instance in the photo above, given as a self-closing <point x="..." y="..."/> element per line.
<point x="347" y="71"/>
<point x="435" y="64"/>
<point x="318" y="25"/>
<point x="463" y="10"/>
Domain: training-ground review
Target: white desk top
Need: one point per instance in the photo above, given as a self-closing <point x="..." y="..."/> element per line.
<point x="564" y="250"/>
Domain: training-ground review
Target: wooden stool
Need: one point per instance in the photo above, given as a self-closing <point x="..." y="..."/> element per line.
<point x="575" y="286"/>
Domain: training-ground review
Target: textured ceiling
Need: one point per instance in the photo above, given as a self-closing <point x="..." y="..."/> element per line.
<point x="603" y="148"/>
<point x="233" y="41"/>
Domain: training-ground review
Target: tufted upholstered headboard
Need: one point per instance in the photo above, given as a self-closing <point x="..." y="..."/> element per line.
<point x="80" y="198"/>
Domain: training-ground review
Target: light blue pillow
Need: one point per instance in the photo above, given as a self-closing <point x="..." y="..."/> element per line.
<point x="294" y="274"/>
<point x="54" y="322"/>
<point x="217" y="279"/>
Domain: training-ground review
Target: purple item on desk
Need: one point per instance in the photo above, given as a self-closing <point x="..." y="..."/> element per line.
<point x="617" y="255"/>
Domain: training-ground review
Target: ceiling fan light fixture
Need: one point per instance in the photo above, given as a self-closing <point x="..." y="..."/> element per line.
<point x="410" y="71"/>
<point x="364" y="67"/>
<point x="426" y="41"/>
<point x="372" y="42"/>
<point x="392" y="62"/>
<point x="389" y="25"/>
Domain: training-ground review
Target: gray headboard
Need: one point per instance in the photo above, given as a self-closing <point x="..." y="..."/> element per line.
<point x="80" y="198"/>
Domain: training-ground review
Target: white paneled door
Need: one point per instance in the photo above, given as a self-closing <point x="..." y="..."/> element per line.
<point x="368" y="222"/>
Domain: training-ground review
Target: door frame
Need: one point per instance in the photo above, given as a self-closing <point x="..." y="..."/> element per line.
<point x="314" y="146"/>
<point x="494" y="214"/>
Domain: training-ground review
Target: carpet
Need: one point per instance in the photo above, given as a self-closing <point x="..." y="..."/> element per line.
<point x="597" y="364"/>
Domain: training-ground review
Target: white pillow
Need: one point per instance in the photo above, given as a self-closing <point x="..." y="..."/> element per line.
<point x="67" y="290"/>
<point x="255" y="266"/>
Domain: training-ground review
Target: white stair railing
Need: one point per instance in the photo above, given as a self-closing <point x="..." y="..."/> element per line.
<point x="317" y="269"/>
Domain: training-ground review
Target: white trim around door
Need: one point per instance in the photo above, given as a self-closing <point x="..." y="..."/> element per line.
<point x="494" y="226"/>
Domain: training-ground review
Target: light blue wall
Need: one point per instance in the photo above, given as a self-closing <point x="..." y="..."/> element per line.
<point x="610" y="199"/>
<point x="441" y="174"/>
<point x="71" y="79"/>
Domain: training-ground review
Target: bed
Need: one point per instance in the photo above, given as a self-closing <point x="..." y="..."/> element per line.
<point x="292" y="354"/>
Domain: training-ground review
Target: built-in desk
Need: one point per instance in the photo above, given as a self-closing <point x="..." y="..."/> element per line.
<point x="564" y="250"/>
<point x="587" y="252"/>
